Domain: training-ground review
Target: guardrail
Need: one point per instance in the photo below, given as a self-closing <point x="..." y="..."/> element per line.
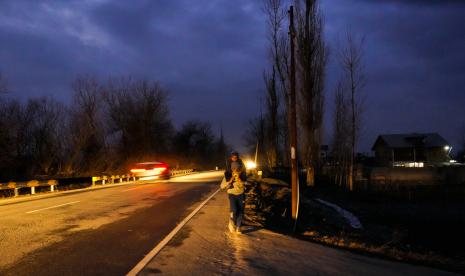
<point x="32" y="184"/>
<point x="96" y="180"/>
<point x="181" y="172"/>
<point x="111" y="179"/>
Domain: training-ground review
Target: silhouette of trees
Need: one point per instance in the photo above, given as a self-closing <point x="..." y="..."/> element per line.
<point x="86" y="133"/>
<point x="311" y="59"/>
<point x="31" y="137"/>
<point x="351" y="59"/>
<point x="107" y="127"/>
<point x="195" y="144"/>
<point x="138" y="117"/>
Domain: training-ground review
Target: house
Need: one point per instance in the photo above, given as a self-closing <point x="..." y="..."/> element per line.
<point x="411" y="150"/>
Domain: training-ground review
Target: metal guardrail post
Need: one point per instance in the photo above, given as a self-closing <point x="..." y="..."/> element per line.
<point x="33" y="184"/>
<point x="52" y="184"/>
<point x="12" y="185"/>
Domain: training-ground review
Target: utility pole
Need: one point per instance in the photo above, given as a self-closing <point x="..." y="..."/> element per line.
<point x="293" y="118"/>
<point x="256" y="153"/>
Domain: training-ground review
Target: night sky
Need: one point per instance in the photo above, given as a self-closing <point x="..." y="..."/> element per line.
<point x="210" y="56"/>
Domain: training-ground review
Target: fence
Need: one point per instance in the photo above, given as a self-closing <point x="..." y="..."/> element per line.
<point x="379" y="178"/>
<point x="413" y="183"/>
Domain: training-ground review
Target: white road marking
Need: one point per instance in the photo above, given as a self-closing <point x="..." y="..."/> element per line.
<point x="140" y="187"/>
<point x="51" y="207"/>
<point x="138" y="268"/>
<point x="146" y="185"/>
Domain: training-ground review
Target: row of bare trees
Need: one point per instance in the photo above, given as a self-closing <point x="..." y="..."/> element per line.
<point x="270" y="129"/>
<point x="348" y="107"/>
<point x="107" y="127"/>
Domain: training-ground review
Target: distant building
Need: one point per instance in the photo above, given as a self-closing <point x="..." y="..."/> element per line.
<point x="411" y="150"/>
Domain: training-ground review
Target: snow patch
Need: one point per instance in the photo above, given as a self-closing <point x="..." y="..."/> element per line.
<point x="351" y="218"/>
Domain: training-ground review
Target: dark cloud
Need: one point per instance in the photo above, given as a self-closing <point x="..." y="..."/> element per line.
<point x="421" y="2"/>
<point x="210" y="55"/>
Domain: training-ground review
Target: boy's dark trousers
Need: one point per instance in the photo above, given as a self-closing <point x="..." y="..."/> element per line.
<point x="236" y="206"/>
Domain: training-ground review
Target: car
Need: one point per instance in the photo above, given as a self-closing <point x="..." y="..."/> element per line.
<point x="153" y="169"/>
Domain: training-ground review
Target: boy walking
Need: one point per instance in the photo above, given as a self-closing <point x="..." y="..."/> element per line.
<point x="235" y="177"/>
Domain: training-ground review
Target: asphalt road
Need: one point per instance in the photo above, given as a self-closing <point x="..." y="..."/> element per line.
<point x="98" y="232"/>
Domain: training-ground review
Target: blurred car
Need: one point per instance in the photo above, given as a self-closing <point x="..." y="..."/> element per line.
<point x="151" y="169"/>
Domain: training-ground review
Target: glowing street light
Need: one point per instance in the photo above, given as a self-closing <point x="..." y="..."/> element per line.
<point x="250" y="165"/>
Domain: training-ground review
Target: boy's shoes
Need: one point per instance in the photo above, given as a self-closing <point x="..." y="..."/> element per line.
<point x="231" y="226"/>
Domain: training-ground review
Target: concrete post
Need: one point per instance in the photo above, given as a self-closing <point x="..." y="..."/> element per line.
<point x="33" y="190"/>
<point x="16" y="191"/>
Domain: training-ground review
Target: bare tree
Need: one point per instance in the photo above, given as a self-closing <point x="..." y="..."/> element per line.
<point x="86" y="145"/>
<point x="12" y="140"/>
<point x="195" y="144"/>
<point x="311" y="58"/>
<point x="272" y="120"/>
<point x="255" y="133"/>
<point x="30" y="137"/>
<point x="45" y="145"/>
<point x="351" y="58"/>
<point x="277" y="36"/>
<point x="276" y="80"/>
<point x="139" y="115"/>
<point x="341" y="145"/>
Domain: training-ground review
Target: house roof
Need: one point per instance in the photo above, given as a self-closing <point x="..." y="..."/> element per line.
<point x="408" y="140"/>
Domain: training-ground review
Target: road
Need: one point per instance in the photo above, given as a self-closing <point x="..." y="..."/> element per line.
<point x="104" y="231"/>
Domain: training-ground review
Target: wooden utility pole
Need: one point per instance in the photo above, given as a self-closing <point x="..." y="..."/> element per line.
<point x="293" y="118"/>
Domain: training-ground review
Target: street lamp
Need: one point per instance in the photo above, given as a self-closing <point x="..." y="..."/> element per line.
<point x="250" y="165"/>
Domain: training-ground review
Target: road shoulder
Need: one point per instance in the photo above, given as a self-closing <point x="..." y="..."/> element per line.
<point x="205" y="247"/>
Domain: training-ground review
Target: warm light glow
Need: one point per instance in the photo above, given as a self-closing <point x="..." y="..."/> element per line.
<point x="200" y="177"/>
<point x="409" y="164"/>
<point x="250" y="165"/>
<point x="416" y="165"/>
<point x="159" y="170"/>
<point x="149" y="178"/>
<point x="447" y="147"/>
